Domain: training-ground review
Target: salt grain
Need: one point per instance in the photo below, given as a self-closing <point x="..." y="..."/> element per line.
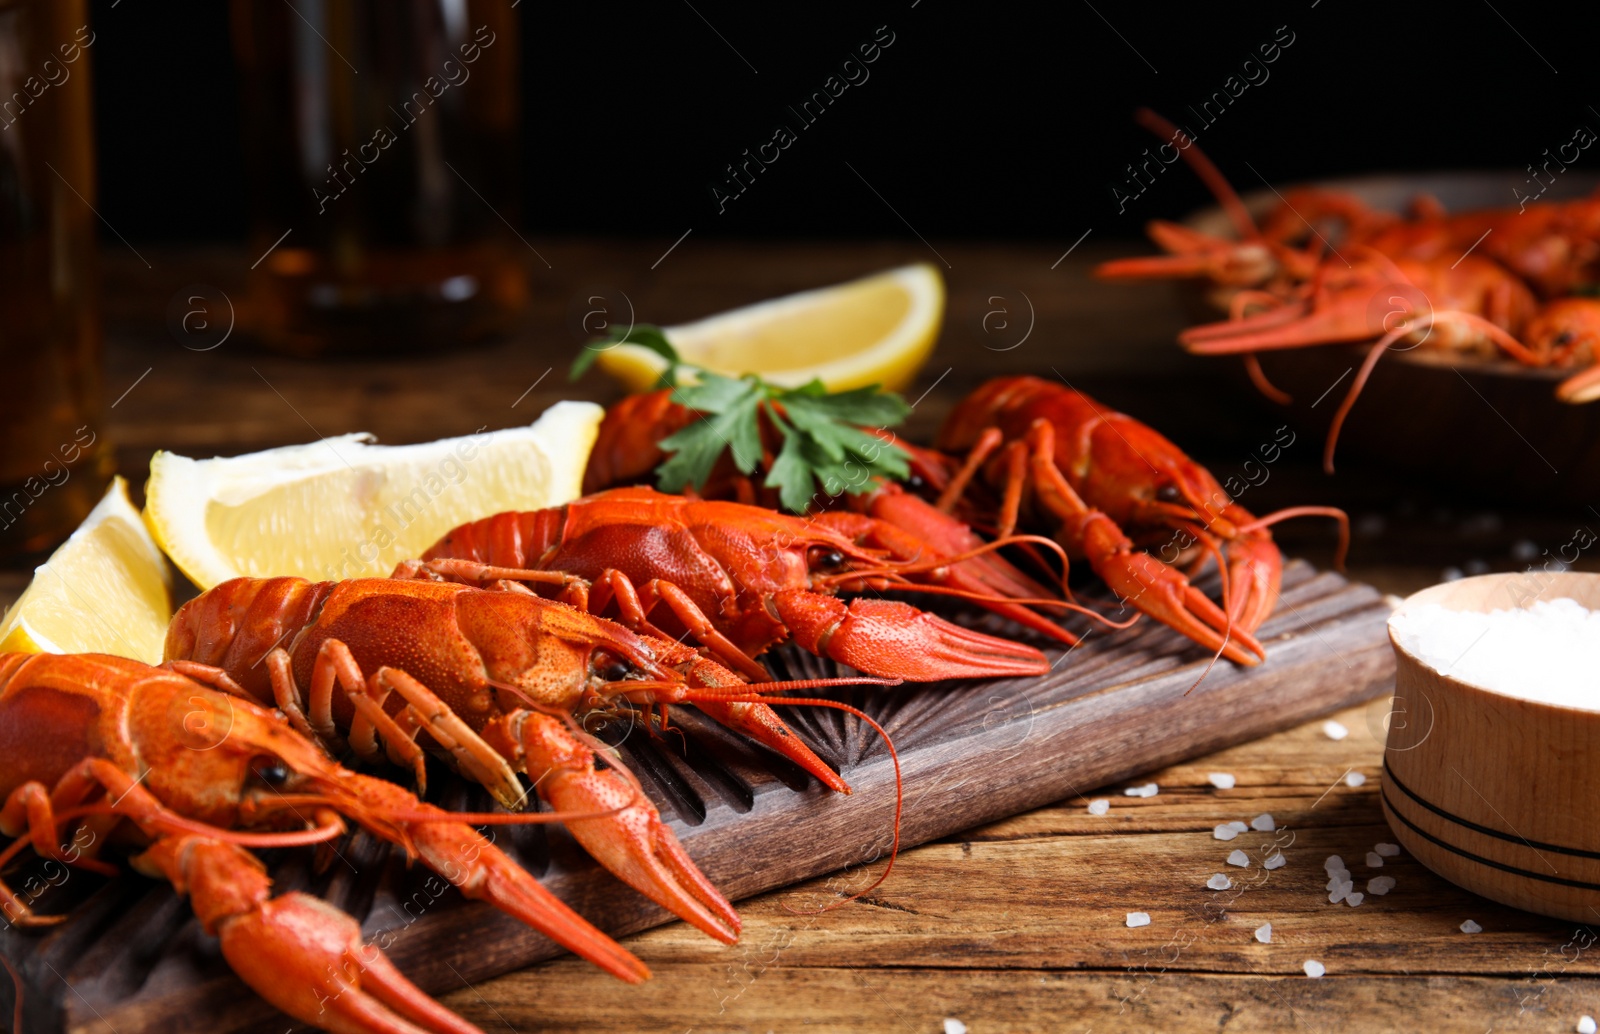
<point x="1354" y="898"/>
<point x="1099" y="806"/>
<point x="1314" y="969"/>
<point x="1147" y="790"/>
<point x="1586" y="1025"/>
<point x="1354" y="779"/>
<point x="1277" y="861"/>
<point x="1333" y="862"/>
<point x="1471" y="927"/>
<point x="1374" y="860"/>
<point x="1137" y="919"/>
<point x="1219" y="882"/>
<point x="1240" y="859"/>
<point x="1263" y="823"/>
<point x="954" y="1027"/>
<point x="1339" y="893"/>
<point x="1221" y="780"/>
<point x="1387" y="850"/>
<point x="1380" y="885"/>
<point x="1264" y="933"/>
<point x="1334" y="730"/>
<point x="1239" y="827"/>
<point x="1225" y="831"/>
<point x="1549" y="651"/>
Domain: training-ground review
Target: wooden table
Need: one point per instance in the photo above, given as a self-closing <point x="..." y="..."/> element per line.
<point x="1019" y="925"/>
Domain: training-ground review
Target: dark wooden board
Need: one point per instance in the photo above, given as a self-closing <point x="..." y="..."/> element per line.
<point x="132" y="959"/>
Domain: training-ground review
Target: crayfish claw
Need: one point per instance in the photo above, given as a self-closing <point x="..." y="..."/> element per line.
<point x="628" y="837"/>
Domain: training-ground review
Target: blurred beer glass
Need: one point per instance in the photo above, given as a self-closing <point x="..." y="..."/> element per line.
<point x="381" y="137"/>
<point x="54" y="458"/>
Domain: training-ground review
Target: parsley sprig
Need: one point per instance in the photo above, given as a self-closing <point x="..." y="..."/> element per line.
<point x="824" y="445"/>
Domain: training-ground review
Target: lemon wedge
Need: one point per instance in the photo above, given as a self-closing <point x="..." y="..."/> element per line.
<point x="877" y="330"/>
<point x="107" y="589"/>
<point x="345" y="508"/>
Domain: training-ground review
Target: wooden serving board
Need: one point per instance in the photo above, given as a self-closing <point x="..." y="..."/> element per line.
<point x="131" y="958"/>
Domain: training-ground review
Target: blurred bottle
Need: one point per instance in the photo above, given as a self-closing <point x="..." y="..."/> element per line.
<point x="381" y="138"/>
<point x="54" y="457"/>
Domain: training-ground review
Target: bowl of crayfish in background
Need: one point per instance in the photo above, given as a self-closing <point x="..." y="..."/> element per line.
<point x="1489" y="773"/>
<point x="1492" y="429"/>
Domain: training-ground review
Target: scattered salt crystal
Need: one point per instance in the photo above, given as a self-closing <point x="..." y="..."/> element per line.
<point x="1219" y="882"/>
<point x="1586" y="1025"/>
<point x="1476" y="565"/>
<point x="1136" y="919"/>
<point x="1338" y="893"/>
<point x="1380" y="885"/>
<point x="1451" y="574"/>
<point x="1471" y="927"/>
<point x="1263" y="823"/>
<point x="1099" y="806"/>
<point x="1374" y="860"/>
<point x="1240" y="859"/>
<point x="1524" y="550"/>
<point x="1239" y="827"/>
<point x="1221" y="780"/>
<point x="1314" y="969"/>
<point x="1354" y="898"/>
<point x="1277" y="861"/>
<point x="1334" y="730"/>
<point x="1354" y="779"/>
<point x="1264" y="933"/>
<point x="1333" y="862"/>
<point x="1340" y="879"/>
<point x="1147" y="790"/>
<point x="954" y="1027"/>
<point x="1225" y="832"/>
<point x="1387" y="850"/>
<point x="1549" y="651"/>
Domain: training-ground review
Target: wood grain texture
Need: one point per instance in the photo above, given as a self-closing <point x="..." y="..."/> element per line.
<point x="970" y="753"/>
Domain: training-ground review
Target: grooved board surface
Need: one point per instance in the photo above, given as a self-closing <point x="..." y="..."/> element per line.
<point x="132" y="958"/>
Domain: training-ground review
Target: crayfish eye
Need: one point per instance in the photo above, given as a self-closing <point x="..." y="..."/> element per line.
<point x="914" y="482"/>
<point x="1169" y="494"/>
<point x="271" y="771"/>
<point x="612" y="669"/>
<point x="1564" y="338"/>
<point x="824" y="559"/>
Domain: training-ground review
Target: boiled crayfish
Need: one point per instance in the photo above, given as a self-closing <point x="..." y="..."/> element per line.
<point x="493" y="679"/>
<point x="1107" y="484"/>
<point x="119" y="750"/>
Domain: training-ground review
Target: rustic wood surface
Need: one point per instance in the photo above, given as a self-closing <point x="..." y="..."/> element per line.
<point x="1018" y="925"/>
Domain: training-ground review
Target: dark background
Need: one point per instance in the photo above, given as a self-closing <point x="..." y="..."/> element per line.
<point x="981" y="120"/>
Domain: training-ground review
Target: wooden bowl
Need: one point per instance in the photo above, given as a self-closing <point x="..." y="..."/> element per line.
<point x="1492" y="429"/>
<point x="1497" y="794"/>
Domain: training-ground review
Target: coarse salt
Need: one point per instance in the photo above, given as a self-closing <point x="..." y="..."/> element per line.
<point x="1334" y="730"/>
<point x="1333" y="862"/>
<point x="1338" y="894"/>
<point x="1225" y="831"/>
<point x="1239" y="827"/>
<point x="1137" y="919"/>
<point x="1147" y="790"/>
<point x="1277" y="861"/>
<point x="1586" y="1025"/>
<point x="1221" y="780"/>
<point x="1354" y="898"/>
<point x="1314" y="969"/>
<point x="1374" y="860"/>
<point x="1263" y="823"/>
<point x="1264" y="933"/>
<point x="1240" y="859"/>
<point x="1099" y="806"/>
<point x="1218" y="881"/>
<point x="1471" y="927"/>
<point x="1354" y="779"/>
<point x="1549" y="651"/>
<point x="1387" y="850"/>
<point x="1380" y="885"/>
<point x="954" y="1026"/>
